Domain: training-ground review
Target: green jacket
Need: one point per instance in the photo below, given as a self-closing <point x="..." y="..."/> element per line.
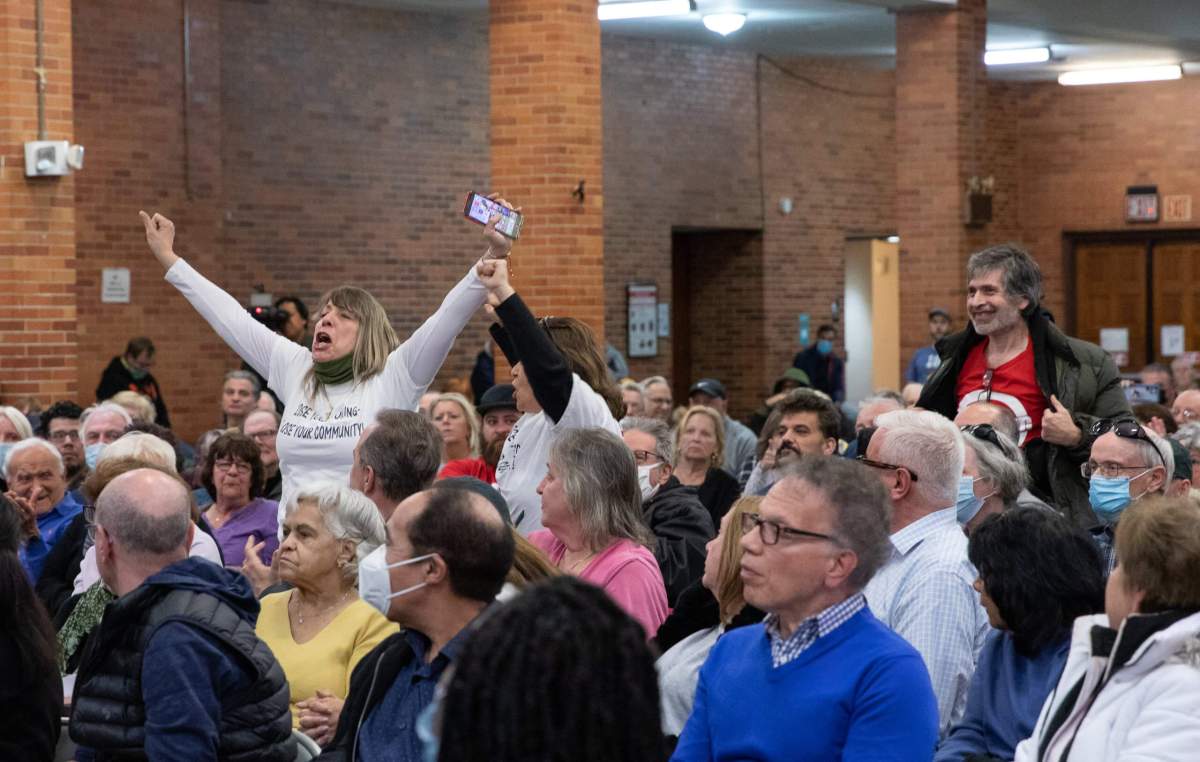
<point x="1082" y="376"/>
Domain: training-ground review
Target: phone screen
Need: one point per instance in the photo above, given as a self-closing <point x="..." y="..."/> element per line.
<point x="1138" y="393"/>
<point x="481" y="209"/>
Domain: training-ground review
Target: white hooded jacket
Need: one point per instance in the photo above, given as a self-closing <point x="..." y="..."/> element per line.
<point x="1146" y="708"/>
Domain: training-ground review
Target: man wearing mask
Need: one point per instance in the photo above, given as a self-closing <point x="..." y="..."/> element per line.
<point x="825" y="369"/>
<point x="448" y="554"/>
<point x="925" y="360"/>
<point x="1011" y="354"/>
<point x="131" y="372"/>
<point x="99" y="426"/>
<point x="1127" y="463"/>
<point x="681" y="524"/>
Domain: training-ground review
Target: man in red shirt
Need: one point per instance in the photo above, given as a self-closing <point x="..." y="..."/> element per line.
<point x="1011" y="354"/>
<point x="499" y="411"/>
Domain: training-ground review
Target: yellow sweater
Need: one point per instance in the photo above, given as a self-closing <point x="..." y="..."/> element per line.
<point x="326" y="661"/>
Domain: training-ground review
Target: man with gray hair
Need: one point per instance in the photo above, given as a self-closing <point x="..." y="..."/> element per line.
<point x="1011" y="354"/>
<point x="174" y="670"/>
<point x="926" y="591"/>
<point x="239" y="397"/>
<point x="838" y="683"/>
<point x="658" y="398"/>
<point x="1127" y="463"/>
<point x="37" y="483"/>
<point x="681" y="524"/>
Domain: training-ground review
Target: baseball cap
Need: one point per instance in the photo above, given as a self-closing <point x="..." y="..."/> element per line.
<point x="934" y="312"/>
<point x="710" y="386"/>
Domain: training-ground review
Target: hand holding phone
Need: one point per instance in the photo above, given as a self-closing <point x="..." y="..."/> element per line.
<point x="481" y="209"/>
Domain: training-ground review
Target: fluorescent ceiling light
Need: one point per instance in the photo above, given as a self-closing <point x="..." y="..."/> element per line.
<point x="1127" y="74"/>
<point x="641" y="9"/>
<point x="724" y="23"/>
<point x="1016" y="56"/>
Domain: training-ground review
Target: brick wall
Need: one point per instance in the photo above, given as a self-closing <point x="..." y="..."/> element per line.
<point x="328" y="144"/>
<point x="37" y="217"/>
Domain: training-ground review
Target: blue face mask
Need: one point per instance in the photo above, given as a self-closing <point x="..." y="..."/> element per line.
<point x="824" y="346"/>
<point x="1109" y="495"/>
<point x="968" y="505"/>
<point x="92" y="453"/>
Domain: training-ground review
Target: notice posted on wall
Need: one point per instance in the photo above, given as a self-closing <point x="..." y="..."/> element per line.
<point x="1114" y="339"/>
<point x="1171" y="340"/>
<point x="114" y="285"/>
<point x="643" y="319"/>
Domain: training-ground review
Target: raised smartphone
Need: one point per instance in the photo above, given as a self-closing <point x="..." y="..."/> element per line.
<point x="481" y="209"/>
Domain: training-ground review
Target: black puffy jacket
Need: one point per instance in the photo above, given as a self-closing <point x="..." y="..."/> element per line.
<point x="682" y="527"/>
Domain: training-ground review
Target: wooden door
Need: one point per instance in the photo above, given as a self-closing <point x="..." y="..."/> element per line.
<point x="1112" y="291"/>
<point x="1177" y="290"/>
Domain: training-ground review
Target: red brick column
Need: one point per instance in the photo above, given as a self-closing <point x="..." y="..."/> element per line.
<point x="545" y="138"/>
<point x="37" y="216"/>
<point x="941" y="102"/>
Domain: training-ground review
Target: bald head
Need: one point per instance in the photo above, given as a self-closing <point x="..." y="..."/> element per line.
<point x="146" y="512"/>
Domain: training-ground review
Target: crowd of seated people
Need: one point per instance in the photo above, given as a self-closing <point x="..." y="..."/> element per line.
<point x="1000" y="564"/>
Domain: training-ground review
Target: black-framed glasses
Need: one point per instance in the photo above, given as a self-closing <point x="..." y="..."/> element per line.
<point x="1127" y="429"/>
<point x="984" y="432"/>
<point x="770" y="530"/>
<point x="886" y="466"/>
<point x="646" y="457"/>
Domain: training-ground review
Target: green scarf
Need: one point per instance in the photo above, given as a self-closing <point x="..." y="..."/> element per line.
<point x="83" y="619"/>
<point x="337" y="371"/>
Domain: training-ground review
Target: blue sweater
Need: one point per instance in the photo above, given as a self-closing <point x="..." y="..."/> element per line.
<point x="859" y="693"/>
<point x="1006" y="696"/>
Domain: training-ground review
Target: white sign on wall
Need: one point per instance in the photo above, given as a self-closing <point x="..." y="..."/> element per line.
<point x="643" y="319"/>
<point x="1172" y="340"/>
<point x="114" y="285"/>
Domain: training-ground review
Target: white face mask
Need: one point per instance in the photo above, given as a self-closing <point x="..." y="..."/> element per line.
<point x="648" y="489"/>
<point x="375" y="583"/>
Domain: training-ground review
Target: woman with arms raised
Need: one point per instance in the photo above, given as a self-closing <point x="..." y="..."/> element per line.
<point x="355" y="367"/>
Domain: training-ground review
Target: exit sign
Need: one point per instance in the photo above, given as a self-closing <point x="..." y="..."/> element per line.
<point x="1177" y="208"/>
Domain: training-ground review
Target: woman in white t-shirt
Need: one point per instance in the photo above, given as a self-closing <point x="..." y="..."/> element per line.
<point x="356" y="366"/>
<point x="560" y="382"/>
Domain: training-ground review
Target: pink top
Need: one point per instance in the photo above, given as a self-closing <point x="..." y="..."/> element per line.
<point x="624" y="570"/>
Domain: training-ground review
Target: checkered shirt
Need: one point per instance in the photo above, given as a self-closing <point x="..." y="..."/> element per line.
<point x="784" y="650"/>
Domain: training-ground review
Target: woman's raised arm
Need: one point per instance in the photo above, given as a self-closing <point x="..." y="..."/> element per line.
<point x="252" y="340"/>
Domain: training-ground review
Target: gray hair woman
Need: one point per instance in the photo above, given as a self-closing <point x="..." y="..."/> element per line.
<point x="993" y="477"/>
<point x="1188" y="435"/>
<point x="592" y="514"/>
<point x="320" y="629"/>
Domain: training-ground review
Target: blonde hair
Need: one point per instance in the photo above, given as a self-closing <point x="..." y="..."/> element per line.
<point x="530" y="564"/>
<point x="18" y="420"/>
<point x="729" y="592"/>
<point x="718" y="456"/>
<point x="139" y="406"/>
<point x="468" y="410"/>
<point x="1158" y="548"/>
<point x="376" y="338"/>
<point x="142" y="447"/>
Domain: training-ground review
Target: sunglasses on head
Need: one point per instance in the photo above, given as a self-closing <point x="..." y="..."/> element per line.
<point x="985" y="432"/>
<point x="1127" y="429"/>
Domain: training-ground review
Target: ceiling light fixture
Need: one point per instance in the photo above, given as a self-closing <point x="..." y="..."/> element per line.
<point x="1009" y="56"/>
<point x="724" y="24"/>
<point x="641" y="9"/>
<point x="1115" y="76"/>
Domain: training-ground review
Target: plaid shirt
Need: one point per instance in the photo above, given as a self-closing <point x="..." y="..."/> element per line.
<point x="784" y="650"/>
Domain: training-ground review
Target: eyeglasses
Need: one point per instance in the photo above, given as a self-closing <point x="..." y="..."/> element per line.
<point x="1127" y="429"/>
<point x="240" y="466"/>
<point x="264" y="435"/>
<point x="1186" y="414"/>
<point x="62" y="436"/>
<point x="888" y="466"/>
<point x="770" y="530"/>
<point x="643" y="457"/>
<point x="984" y="432"/>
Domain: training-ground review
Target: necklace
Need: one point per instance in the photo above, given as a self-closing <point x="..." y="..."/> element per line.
<point x="300" y="613"/>
<point x="577" y="566"/>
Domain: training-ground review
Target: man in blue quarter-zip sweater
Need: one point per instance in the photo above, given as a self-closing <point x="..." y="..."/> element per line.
<point x="820" y="678"/>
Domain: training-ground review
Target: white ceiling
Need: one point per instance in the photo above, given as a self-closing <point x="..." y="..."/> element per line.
<point x="1081" y="33"/>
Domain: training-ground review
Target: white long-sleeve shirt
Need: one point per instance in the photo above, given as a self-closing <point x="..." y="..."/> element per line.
<point x="317" y="436"/>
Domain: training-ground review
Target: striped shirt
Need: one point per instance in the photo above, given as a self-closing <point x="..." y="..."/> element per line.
<point x="784" y="650"/>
